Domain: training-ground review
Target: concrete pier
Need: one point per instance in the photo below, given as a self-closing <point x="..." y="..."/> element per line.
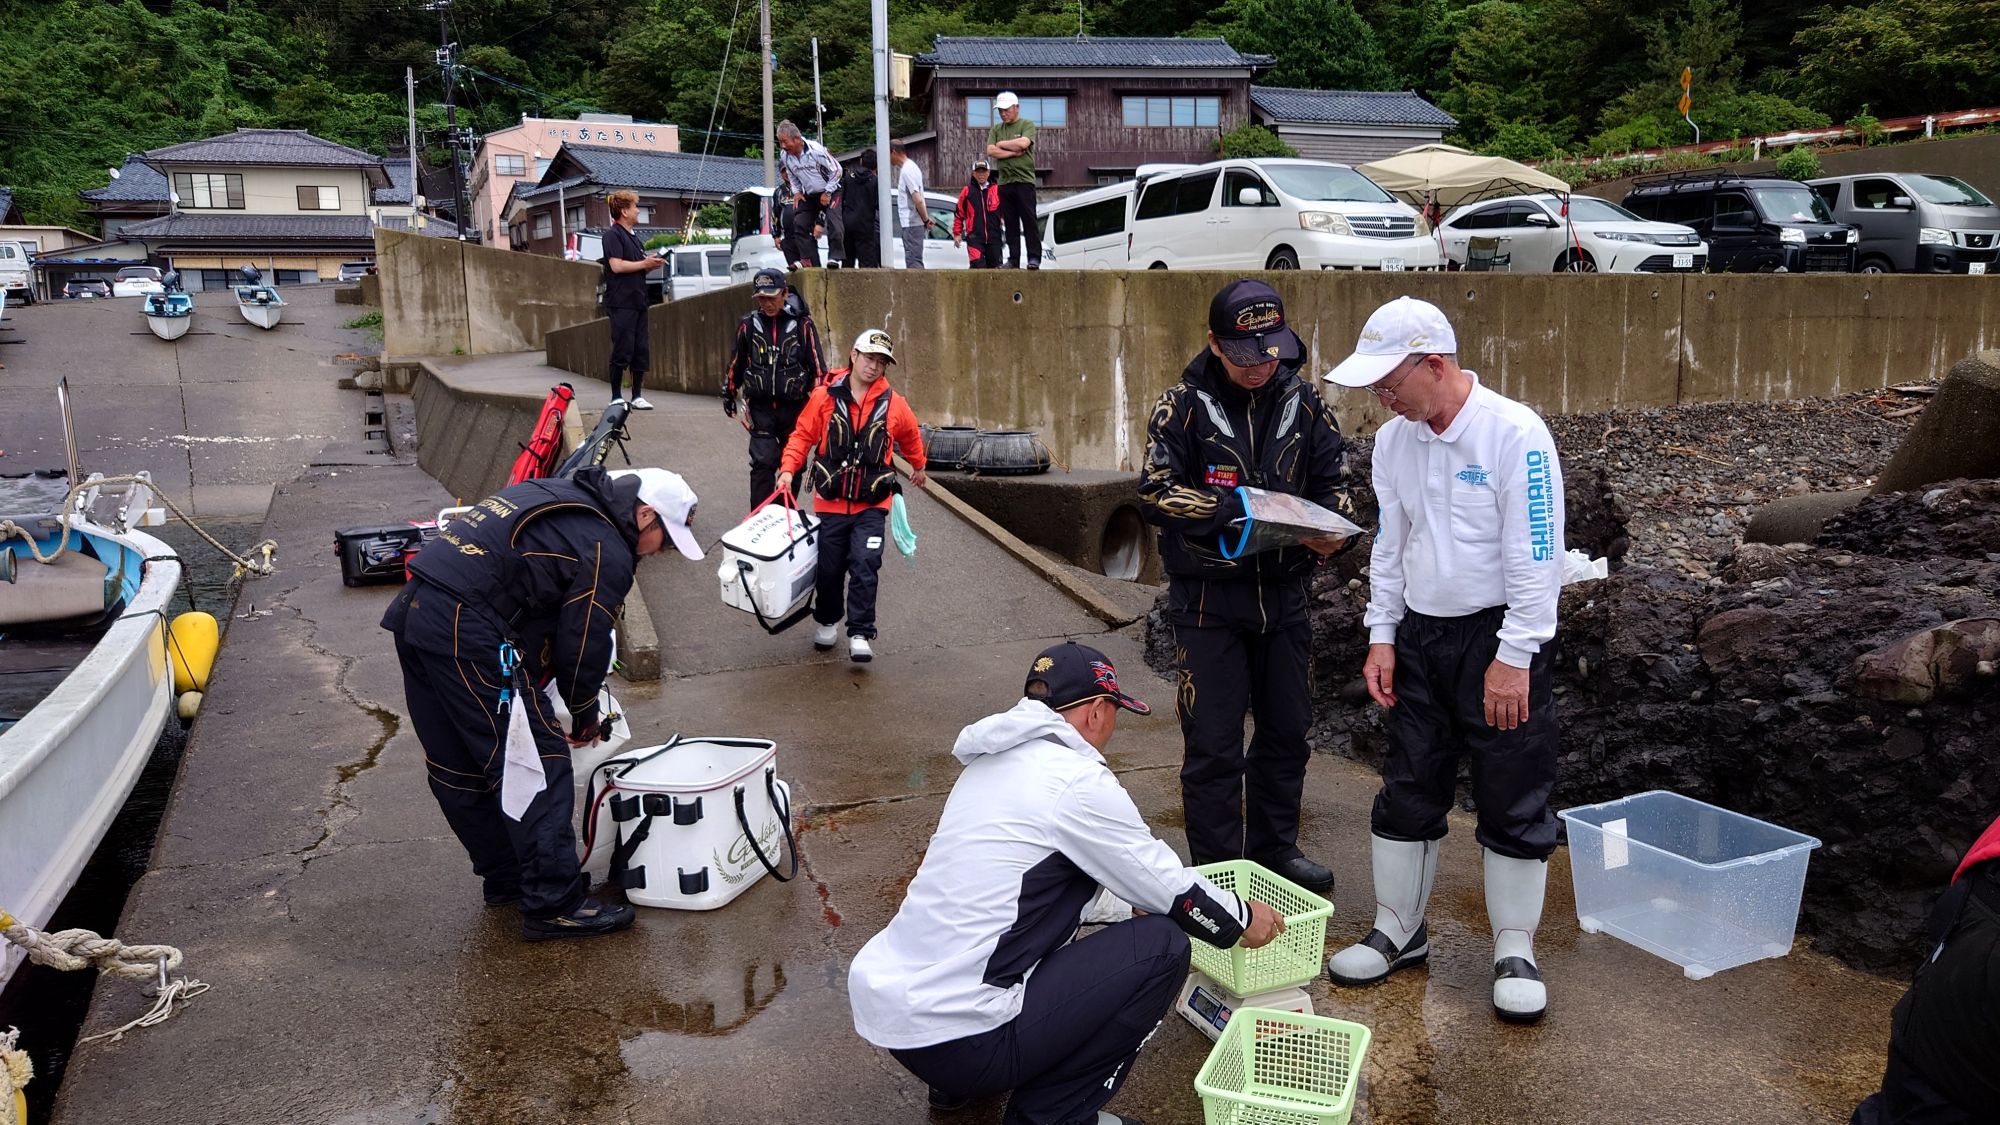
<point x="357" y="978"/>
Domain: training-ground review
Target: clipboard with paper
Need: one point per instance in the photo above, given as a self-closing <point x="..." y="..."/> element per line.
<point x="1280" y="519"/>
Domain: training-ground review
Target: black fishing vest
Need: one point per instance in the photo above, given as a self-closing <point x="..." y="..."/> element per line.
<point x="476" y="558"/>
<point x="853" y="465"/>
<point x="776" y="369"/>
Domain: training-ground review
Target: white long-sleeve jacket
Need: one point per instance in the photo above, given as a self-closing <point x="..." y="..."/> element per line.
<point x="1471" y="518"/>
<point x="1035" y="826"/>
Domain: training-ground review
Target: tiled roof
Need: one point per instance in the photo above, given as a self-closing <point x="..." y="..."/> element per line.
<point x="1080" y="52"/>
<point x="398" y="190"/>
<point x="6" y="203"/>
<point x="529" y="193"/>
<point x="664" y="171"/>
<point x="316" y="228"/>
<point x="137" y="182"/>
<point x="1347" y="107"/>
<point x="265" y="146"/>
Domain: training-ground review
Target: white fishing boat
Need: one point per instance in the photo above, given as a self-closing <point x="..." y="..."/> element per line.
<point x="85" y="685"/>
<point x="260" y="305"/>
<point x="169" y="315"/>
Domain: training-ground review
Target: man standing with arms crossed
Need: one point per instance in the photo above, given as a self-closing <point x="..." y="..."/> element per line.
<point x="814" y="175"/>
<point x="1010" y="142"/>
<point x="1461" y="622"/>
<point x="1241" y="416"/>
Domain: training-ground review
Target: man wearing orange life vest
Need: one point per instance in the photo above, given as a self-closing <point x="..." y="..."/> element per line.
<point x="852" y="426"/>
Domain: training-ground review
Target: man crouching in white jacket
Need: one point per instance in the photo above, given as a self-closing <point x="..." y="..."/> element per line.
<point x="975" y="986"/>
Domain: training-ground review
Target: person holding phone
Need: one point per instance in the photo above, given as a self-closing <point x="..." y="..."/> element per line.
<point x="626" y="264"/>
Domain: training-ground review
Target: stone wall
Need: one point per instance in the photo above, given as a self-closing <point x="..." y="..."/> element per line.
<point x="444" y="297"/>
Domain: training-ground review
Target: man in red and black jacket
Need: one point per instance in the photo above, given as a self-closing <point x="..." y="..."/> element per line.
<point x="774" y="367"/>
<point x="976" y="226"/>
<point x="1944" y="1038"/>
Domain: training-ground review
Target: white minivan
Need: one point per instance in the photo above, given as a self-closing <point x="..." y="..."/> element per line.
<point x="753" y="246"/>
<point x="1276" y="215"/>
<point x="695" y="268"/>
<point x="16" y="276"/>
<point x="1092" y="230"/>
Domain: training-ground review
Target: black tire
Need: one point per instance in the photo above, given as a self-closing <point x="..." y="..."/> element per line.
<point x="1571" y="262"/>
<point x="1157" y="266"/>
<point x="1875" y="265"/>
<point x="1283" y="258"/>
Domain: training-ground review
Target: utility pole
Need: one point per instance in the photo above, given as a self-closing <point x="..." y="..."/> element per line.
<point x="770" y="126"/>
<point x="819" y="111"/>
<point x="447" y="57"/>
<point x="410" y="91"/>
<point x="885" y="176"/>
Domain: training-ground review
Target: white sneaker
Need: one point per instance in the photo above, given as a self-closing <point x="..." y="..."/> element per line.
<point x="640" y="403"/>
<point x="615" y="400"/>
<point x="859" y="651"/>
<point x="825" y="635"/>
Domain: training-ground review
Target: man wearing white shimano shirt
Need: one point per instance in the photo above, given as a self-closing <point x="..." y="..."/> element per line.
<point x="976" y="986"/>
<point x="1461" y="623"/>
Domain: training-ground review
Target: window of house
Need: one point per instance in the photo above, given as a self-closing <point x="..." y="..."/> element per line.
<point x="297" y="277"/>
<point x="504" y="165"/>
<point x="211" y="280"/>
<point x="1046" y="112"/>
<point x="645" y="214"/>
<point x="1193" y="112"/>
<point x="545" y="227"/>
<point x="209" y="189"/>
<point x="318" y="198"/>
<point x="573" y="218"/>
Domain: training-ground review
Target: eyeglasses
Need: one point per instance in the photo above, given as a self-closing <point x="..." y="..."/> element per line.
<point x="1388" y="394"/>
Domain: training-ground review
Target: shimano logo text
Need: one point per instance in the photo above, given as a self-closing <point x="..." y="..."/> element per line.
<point x="1541" y="495"/>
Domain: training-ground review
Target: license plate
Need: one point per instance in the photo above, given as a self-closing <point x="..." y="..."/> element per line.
<point x="1683" y="261"/>
<point x="1392" y="265"/>
<point x="1975" y="267"/>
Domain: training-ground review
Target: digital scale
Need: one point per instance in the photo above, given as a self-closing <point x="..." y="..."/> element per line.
<point x="1208" y="1005"/>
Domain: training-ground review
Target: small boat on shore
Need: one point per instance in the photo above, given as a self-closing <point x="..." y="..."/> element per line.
<point x="85" y="683"/>
<point x="169" y="315"/>
<point x="260" y="305"/>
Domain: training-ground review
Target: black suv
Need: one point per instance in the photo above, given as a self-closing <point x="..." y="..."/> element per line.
<point x="1753" y="224"/>
<point x="87" y="287"/>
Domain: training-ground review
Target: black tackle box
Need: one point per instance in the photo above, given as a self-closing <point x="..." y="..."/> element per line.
<point x="377" y="554"/>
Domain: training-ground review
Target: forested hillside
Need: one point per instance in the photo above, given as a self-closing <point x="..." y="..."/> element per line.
<point x="89" y="80"/>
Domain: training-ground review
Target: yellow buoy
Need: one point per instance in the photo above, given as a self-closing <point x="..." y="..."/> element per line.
<point x="192" y="639"/>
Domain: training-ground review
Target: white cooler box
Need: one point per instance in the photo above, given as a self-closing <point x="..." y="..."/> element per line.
<point x="699" y="821"/>
<point x="768" y="564"/>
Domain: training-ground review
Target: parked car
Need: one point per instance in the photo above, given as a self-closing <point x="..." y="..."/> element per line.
<point x="1535" y="235"/>
<point x="1916" y="223"/>
<point x="355" y="271"/>
<point x="86" y="288"/>
<point x="17" y="279"/>
<point x="1277" y="215"/>
<point x="138" y="281"/>
<point x="694" y="269"/>
<point x="1090" y="230"/>
<point x="753" y="247"/>
<point x="1753" y="224"/>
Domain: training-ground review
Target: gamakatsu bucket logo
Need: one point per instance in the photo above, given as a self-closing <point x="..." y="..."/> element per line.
<point x="1541" y="498"/>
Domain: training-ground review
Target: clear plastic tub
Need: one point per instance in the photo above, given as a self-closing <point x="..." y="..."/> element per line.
<point x="1703" y="887"/>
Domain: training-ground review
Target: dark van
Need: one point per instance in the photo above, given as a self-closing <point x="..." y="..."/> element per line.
<point x="1753" y="224"/>
<point x="1913" y="223"/>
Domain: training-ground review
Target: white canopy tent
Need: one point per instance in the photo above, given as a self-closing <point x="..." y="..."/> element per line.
<point x="1437" y="178"/>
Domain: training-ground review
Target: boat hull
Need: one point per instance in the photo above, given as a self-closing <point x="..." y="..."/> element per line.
<point x="263" y="316"/>
<point x="68" y="765"/>
<point x="169" y="327"/>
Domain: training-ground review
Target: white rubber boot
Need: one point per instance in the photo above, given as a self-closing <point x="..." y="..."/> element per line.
<point x="1514" y="890"/>
<point x="825" y="636"/>
<point x="1404" y="871"/>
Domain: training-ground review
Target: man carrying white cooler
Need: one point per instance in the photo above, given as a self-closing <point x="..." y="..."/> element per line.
<point x="1461" y="617"/>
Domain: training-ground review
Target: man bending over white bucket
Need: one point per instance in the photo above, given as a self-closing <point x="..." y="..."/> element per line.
<point x="975" y="986"/>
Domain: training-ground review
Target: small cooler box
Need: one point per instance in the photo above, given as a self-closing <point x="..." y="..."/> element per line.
<point x="768" y="564"/>
<point x="376" y="554"/>
<point x="699" y="820"/>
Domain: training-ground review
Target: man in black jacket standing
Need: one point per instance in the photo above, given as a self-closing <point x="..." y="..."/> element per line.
<point x="1241" y="416"/>
<point x="514" y="599"/>
<point x="775" y="366"/>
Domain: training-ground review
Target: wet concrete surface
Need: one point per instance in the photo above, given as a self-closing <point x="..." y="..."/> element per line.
<point x="358" y="978"/>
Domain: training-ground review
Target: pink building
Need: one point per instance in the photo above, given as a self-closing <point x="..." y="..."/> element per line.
<point x="523" y="151"/>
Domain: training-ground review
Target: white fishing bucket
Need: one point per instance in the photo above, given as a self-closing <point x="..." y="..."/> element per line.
<point x="768" y="564"/>
<point x="590" y="818"/>
<point x="699" y="821"/>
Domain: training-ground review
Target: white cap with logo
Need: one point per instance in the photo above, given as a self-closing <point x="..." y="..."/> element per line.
<point x="1404" y="327"/>
<point x="1006" y="100"/>
<point x="668" y="494"/>
<point x="876" y="342"/>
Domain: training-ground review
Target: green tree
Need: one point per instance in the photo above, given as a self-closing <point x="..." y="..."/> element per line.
<point x="1799" y="162"/>
<point x="1318" y="44"/>
<point x="1252" y="140"/>
<point x="1906" y="56"/>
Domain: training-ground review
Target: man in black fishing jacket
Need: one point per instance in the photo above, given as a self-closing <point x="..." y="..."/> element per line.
<point x="1241" y="417"/>
<point x="516" y="598"/>
<point x="774" y="367"/>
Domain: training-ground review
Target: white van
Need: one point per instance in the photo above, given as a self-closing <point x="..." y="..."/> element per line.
<point x="16" y="276"/>
<point x="696" y="269"/>
<point x="1089" y="230"/>
<point x="754" y="247"/>
<point x="1276" y="215"/>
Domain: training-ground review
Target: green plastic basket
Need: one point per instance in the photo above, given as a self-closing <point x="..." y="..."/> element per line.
<point x="1293" y="958"/>
<point x="1282" y="1068"/>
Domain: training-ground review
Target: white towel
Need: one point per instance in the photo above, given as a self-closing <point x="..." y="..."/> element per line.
<point x="522" y="777"/>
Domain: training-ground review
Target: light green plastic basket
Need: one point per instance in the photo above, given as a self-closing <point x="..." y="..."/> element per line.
<point x="1293" y="958"/>
<point x="1282" y="1068"/>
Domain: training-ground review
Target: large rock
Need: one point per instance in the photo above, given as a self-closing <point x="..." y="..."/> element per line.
<point x="1955" y="436"/>
<point x="1949" y="660"/>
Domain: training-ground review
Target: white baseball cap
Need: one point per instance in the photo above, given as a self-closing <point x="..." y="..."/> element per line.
<point x="668" y="494"/>
<point x="1006" y="100"/>
<point x="1404" y="327"/>
<point x="876" y="342"/>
